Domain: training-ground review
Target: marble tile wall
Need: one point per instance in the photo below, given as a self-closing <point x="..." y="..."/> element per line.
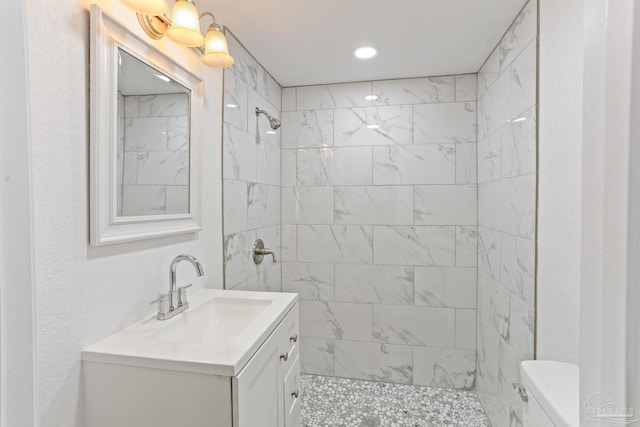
<point x="251" y="173"/>
<point x="153" y="154"/>
<point x="506" y="217"/>
<point x="379" y="228"/>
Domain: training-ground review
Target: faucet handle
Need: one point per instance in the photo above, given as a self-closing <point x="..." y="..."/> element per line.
<point x="163" y="303"/>
<point x="182" y="294"/>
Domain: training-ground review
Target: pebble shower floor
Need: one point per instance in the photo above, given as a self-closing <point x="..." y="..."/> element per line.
<point x="342" y="402"/>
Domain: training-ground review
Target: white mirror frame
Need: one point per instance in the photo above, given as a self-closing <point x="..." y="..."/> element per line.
<point x="107" y="35"/>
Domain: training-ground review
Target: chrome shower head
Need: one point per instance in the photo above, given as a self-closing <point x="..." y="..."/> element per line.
<point x="273" y="122"/>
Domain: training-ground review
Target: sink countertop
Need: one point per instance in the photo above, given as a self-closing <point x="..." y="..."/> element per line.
<point x="216" y="335"/>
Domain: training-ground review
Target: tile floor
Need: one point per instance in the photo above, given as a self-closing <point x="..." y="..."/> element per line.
<point x="330" y="401"/>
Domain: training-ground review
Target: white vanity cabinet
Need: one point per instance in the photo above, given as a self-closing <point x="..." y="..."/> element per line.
<point x="267" y="390"/>
<point x="193" y="384"/>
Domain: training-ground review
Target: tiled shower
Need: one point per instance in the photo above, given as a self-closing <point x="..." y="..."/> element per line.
<point x="403" y="214"/>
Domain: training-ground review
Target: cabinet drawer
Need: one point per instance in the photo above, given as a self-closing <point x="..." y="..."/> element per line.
<point x="289" y="339"/>
<point x="292" y="395"/>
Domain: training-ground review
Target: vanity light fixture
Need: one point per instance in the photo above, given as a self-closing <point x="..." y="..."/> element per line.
<point x="365" y="52"/>
<point x="183" y="28"/>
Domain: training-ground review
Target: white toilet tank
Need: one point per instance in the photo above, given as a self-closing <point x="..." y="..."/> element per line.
<point x="553" y="393"/>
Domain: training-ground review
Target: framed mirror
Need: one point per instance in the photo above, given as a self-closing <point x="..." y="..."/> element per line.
<point x="145" y="138"/>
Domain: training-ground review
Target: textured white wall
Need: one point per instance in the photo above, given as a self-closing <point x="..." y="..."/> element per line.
<point x="559" y="185"/>
<point x="16" y="247"/>
<point x="84" y="293"/>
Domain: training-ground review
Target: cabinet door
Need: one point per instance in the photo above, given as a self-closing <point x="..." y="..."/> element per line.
<point x="292" y="396"/>
<point x="257" y="390"/>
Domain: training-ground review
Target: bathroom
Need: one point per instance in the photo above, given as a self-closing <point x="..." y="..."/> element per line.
<point x="61" y="295"/>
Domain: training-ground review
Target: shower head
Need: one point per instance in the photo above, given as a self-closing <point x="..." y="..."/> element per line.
<point x="273" y="122"/>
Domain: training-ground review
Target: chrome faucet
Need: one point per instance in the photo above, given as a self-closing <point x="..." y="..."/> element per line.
<point x="175" y="301"/>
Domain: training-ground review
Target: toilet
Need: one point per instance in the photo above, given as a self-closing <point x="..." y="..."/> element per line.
<point x="552" y="391"/>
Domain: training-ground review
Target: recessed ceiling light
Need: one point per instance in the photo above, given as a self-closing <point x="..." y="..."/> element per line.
<point x="232" y="105"/>
<point x="373" y="126"/>
<point x="365" y="52"/>
<point x="371" y="97"/>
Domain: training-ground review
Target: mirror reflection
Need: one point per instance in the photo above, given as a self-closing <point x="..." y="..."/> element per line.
<point x="153" y="141"/>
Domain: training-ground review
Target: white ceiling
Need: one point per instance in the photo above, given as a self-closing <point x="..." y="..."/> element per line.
<point x="304" y="42"/>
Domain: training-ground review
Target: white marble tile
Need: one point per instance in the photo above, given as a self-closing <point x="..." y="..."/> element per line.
<point x="466" y="328"/>
<point x="177" y="133"/>
<point x="269" y="88"/>
<point x="444" y="367"/>
<point x="317" y="356"/>
<point x="374" y="284"/>
<point x="466" y="246"/>
<point x="521" y="32"/>
<point x="288" y="243"/>
<point x="311" y="281"/>
<point x="239" y="264"/>
<point x="400" y="324"/>
<point x="131" y="106"/>
<point x="177" y="199"/>
<point x="335" y="243"/>
<point x="490" y="158"/>
<point x="493" y="106"/>
<point x="425" y="90"/>
<point x="489" y="252"/>
<point x="374" y="205"/>
<point x="143" y="200"/>
<point x="343" y="95"/>
<point x="245" y="65"/>
<point x="263" y="203"/>
<point x="414" y="164"/>
<point x="522" y="324"/>
<point x="307" y="205"/>
<point x="268" y="162"/>
<point x="466" y="163"/>
<point x="163" y="168"/>
<point x="307" y="129"/>
<point x="445" y="205"/>
<point x="523" y="79"/>
<point x="518" y="266"/>
<point x="339" y="320"/>
<point x="164" y="105"/>
<point x="239" y="155"/>
<point x="466" y="87"/>
<point x="487" y="358"/>
<point x="445" y="287"/>
<point x="334" y="166"/>
<point x="497" y="298"/>
<point x="489" y="71"/>
<point x="493" y="202"/>
<point x="288" y="168"/>
<point x="419" y="245"/>
<point x="519" y="145"/>
<point x="374" y="361"/>
<point x="145" y="134"/>
<point x="354" y="126"/>
<point x="444" y="123"/>
<point x="268" y="280"/>
<point x="509" y="205"/>
<point x="235" y="206"/>
<point x="129" y="172"/>
<point x="236" y="109"/>
<point x="289" y="99"/>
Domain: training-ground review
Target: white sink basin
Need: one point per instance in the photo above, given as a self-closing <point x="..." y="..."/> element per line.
<point x="217" y="334"/>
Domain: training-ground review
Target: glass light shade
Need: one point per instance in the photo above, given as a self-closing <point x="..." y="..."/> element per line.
<point x="216" y="52"/>
<point x="185" y="27"/>
<point x="147" y="7"/>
